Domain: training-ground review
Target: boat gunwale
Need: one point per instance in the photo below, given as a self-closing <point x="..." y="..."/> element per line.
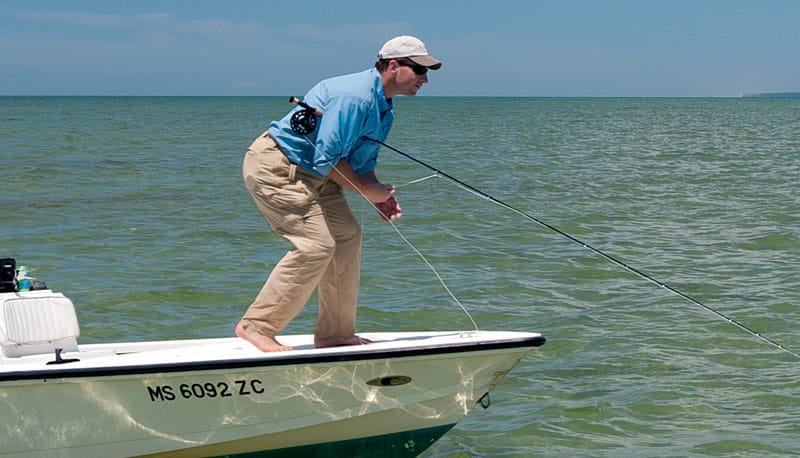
<point x="273" y="359"/>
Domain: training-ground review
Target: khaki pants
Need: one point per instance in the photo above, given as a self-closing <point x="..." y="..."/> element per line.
<point x="313" y="215"/>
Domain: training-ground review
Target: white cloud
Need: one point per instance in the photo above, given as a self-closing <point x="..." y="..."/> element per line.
<point x="112" y="21"/>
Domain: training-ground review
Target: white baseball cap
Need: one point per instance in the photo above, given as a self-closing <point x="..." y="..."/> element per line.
<point x="411" y="48"/>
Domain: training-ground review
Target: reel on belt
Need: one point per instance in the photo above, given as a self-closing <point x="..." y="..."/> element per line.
<point x="304" y="121"/>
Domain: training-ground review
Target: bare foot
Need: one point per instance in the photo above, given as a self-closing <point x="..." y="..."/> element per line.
<point x="355" y="340"/>
<point x="262" y="342"/>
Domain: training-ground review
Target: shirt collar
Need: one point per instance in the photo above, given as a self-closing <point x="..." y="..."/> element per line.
<point x="383" y="103"/>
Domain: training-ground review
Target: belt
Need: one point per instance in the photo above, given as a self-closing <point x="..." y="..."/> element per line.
<point x="294" y="167"/>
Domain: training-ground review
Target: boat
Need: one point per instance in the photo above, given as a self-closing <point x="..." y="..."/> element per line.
<point x="223" y="397"/>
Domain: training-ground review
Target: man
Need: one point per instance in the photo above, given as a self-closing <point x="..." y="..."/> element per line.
<point x="297" y="183"/>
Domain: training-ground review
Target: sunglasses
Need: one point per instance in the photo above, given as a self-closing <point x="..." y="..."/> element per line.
<point x="418" y="69"/>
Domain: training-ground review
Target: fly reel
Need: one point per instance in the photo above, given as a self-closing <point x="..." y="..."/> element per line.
<point x="304" y="121"/>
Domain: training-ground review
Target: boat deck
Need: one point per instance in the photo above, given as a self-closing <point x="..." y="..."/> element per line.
<point x="199" y="354"/>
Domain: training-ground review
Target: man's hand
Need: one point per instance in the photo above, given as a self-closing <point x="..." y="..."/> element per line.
<point x="389" y="210"/>
<point x="381" y="195"/>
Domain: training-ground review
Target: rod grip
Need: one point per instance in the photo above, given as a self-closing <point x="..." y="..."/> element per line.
<point x="297" y="101"/>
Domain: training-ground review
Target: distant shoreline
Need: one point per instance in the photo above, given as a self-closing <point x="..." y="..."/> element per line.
<point x="775" y="95"/>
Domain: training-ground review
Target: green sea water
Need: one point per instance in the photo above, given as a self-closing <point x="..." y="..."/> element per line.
<point x="135" y="209"/>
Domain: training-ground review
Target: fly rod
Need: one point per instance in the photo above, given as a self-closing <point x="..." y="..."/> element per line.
<point x="528" y="216"/>
<point x="601" y="253"/>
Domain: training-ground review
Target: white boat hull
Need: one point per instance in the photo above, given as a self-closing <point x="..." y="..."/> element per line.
<point x="215" y="397"/>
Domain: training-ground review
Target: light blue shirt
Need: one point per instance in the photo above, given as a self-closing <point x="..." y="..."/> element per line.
<point x="355" y="109"/>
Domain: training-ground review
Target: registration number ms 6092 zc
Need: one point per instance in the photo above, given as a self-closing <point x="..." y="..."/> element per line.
<point x="205" y="390"/>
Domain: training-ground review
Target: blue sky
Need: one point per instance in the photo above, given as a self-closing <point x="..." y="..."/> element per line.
<point x="682" y="48"/>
